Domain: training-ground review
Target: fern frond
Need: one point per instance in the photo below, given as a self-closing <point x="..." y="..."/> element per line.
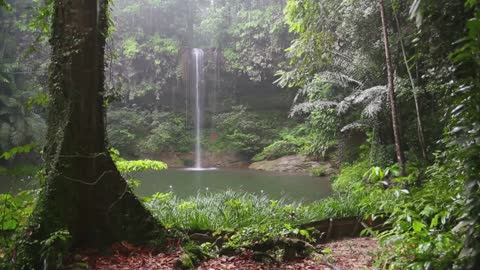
<point x="309" y="106"/>
<point x="339" y="79"/>
<point x="374" y="100"/>
<point x="357" y="125"/>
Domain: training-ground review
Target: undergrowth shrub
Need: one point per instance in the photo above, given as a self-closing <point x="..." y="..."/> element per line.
<point x="318" y="172"/>
<point x="167" y="134"/>
<point x="276" y="150"/>
<point x="423" y="234"/>
<point x="290" y="141"/>
<point x="134" y="131"/>
<point x="422" y="213"/>
<point x="244" y="131"/>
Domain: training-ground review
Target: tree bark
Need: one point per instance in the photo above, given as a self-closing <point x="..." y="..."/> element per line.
<point x="421" y="138"/>
<point x="84" y="193"/>
<point x="391" y="92"/>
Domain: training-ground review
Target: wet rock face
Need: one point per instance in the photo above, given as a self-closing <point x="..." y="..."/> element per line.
<point x="226" y="160"/>
<point x="209" y="159"/>
<point x="292" y="164"/>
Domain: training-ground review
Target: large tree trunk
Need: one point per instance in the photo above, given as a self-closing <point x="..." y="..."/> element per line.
<point x="84" y="192"/>
<point x="391" y="92"/>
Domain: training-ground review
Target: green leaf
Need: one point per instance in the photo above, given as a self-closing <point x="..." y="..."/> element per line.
<point x="418" y="226"/>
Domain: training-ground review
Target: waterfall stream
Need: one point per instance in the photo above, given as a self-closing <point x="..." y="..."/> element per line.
<point x="198" y="56"/>
<point x="197" y="91"/>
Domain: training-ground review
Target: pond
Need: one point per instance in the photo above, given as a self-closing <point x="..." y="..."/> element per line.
<point x="186" y="183"/>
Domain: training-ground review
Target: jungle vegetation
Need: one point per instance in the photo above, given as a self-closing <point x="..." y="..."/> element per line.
<point x="386" y="90"/>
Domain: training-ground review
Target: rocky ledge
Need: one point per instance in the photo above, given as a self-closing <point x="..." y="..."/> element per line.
<point x="292" y="164"/>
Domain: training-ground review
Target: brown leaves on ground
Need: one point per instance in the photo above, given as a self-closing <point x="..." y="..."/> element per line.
<point x="355" y="253"/>
<point x="342" y="255"/>
<point x="125" y="256"/>
<point x="348" y="254"/>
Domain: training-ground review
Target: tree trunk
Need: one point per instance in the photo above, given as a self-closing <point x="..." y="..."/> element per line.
<point x="391" y="92"/>
<point x="421" y="138"/>
<point x="84" y="192"/>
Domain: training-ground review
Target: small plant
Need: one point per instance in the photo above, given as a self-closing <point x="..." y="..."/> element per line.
<point x="130" y="166"/>
<point x="54" y="249"/>
<point x="318" y="172"/>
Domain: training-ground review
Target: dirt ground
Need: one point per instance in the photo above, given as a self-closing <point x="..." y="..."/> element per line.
<point x="344" y="254"/>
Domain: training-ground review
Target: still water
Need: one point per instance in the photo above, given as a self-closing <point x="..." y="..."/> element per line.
<point x="186" y="183"/>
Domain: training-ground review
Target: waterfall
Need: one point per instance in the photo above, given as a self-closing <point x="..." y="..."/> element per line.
<point x="198" y="56"/>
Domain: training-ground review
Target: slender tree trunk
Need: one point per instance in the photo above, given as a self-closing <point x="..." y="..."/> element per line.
<point x="421" y="138"/>
<point x="84" y="192"/>
<point x="391" y="91"/>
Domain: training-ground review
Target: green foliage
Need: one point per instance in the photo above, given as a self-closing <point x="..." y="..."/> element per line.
<point x="20" y="170"/>
<point x="54" y="249"/>
<point x="237" y="210"/>
<point x="135" y="131"/>
<point x="130" y="48"/>
<point x="20" y="128"/>
<point x="244" y="131"/>
<point x="17" y="150"/>
<point x="318" y="172"/>
<point x="126" y="167"/>
<point x="164" y="45"/>
<point x="323" y="127"/>
<point x="15" y="209"/>
<point x="22" y="80"/>
<point x="248" y="218"/>
<point x="14" y="213"/>
<point x="463" y="137"/>
<point x="276" y="150"/>
<point x="124" y="128"/>
<point x="129" y="166"/>
<point x="258" y="42"/>
<point x="382" y="155"/>
<point x="314" y="138"/>
<point x="424" y="219"/>
<point x="5" y="5"/>
<point x="169" y="134"/>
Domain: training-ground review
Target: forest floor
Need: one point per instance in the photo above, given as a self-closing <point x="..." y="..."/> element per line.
<point x="355" y="253"/>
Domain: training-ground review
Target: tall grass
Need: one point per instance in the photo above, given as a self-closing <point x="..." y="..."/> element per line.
<point x="235" y="210"/>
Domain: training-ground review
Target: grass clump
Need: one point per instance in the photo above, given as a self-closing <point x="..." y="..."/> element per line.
<point x="236" y="210"/>
<point x="318" y="172"/>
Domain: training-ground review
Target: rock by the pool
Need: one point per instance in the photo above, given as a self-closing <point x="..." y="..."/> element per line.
<point x="292" y="164"/>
